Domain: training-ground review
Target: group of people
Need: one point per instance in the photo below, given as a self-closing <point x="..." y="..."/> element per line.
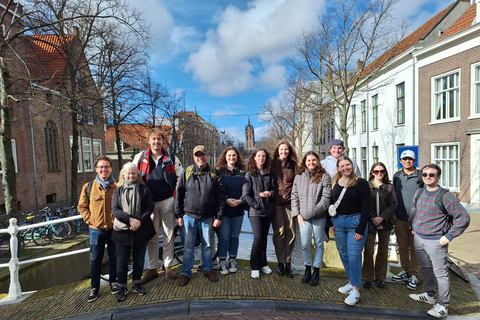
<point x="321" y="195"/>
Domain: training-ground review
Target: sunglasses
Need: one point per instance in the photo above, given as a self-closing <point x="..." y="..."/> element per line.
<point x="431" y="175"/>
<point x="378" y="171"/>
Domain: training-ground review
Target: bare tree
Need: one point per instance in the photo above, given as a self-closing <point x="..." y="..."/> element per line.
<point x="348" y="32"/>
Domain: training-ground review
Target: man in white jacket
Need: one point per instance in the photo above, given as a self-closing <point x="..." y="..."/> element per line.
<point x="330" y="163"/>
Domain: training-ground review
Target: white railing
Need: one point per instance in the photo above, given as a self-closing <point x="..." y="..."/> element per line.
<point x="15" y="290"/>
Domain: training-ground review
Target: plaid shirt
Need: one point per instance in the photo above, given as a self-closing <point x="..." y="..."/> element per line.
<point x="428" y="221"/>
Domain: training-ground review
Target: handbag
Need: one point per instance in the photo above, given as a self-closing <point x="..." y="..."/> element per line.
<point x="120" y="226"/>
<point x="332" y="209"/>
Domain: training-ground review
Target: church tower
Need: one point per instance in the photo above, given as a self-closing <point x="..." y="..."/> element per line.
<point x="249" y="136"/>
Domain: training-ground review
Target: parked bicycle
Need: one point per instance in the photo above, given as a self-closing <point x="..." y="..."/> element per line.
<point x="59" y="232"/>
<point x="5" y="244"/>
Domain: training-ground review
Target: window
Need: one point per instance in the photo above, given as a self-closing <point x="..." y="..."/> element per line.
<point x="364" y="161"/>
<point x="354" y="154"/>
<point x="401" y="103"/>
<point x="375" y="112"/>
<point x="446" y="156"/>
<point x="475" y="90"/>
<point x="87" y="115"/>
<point x="375" y="153"/>
<point x="80" y="166"/>
<point x="87" y="154"/>
<point x="446" y="104"/>
<point x="14" y="151"/>
<point x="97" y="148"/>
<point x="122" y="146"/>
<point x="354" y="119"/>
<point x="363" y="106"/>
<point x="51" y="146"/>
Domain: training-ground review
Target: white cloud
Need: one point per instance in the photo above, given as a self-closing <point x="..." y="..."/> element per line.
<point x="261" y="132"/>
<point x="248" y="46"/>
<point x="237" y="133"/>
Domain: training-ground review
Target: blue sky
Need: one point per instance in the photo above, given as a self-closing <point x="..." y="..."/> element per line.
<point x="229" y="56"/>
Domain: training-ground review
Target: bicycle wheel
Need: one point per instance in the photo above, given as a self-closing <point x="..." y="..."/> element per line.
<point x="74" y="229"/>
<point x="4" y="246"/>
<point x="41" y="236"/>
<point x="452" y="266"/>
<point x="60" y="231"/>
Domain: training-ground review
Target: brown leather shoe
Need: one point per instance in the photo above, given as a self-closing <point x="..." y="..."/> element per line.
<point x="183" y="280"/>
<point x="211" y="275"/>
<point x="149" y="276"/>
<point x="170" y="274"/>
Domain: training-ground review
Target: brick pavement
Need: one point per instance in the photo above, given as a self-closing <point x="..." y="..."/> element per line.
<point x="465" y="250"/>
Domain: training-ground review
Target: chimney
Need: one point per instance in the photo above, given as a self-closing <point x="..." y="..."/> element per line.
<point x="76" y="31"/>
<point x="360" y="64"/>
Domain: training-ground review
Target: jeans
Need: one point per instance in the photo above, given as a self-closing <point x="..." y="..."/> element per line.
<point x="258" y="255"/>
<point x="228" y="236"/>
<point x="317" y="226"/>
<point x="283" y="233"/>
<point x="123" y="255"/>
<point x="190" y="228"/>
<point x="98" y="238"/>
<point x="350" y="250"/>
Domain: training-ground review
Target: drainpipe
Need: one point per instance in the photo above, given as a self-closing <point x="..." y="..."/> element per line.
<point x="35" y="186"/>
<point x="413" y="101"/>
<point x="64" y="151"/>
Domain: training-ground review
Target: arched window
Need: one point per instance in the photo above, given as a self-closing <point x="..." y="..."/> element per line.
<point x="51" y="146"/>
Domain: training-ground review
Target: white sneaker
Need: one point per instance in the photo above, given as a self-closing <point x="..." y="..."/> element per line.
<point x="412" y="282"/>
<point x="255" y="274"/>
<point x="438" y="311"/>
<point x="266" y="270"/>
<point x="233" y="266"/>
<point x="346" y="288"/>
<point x="352" y="298"/>
<point x="223" y="267"/>
<point x="402" y="276"/>
<point x="424" y="297"/>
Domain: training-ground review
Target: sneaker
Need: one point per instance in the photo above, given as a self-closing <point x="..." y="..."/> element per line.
<point x="255" y="274"/>
<point x="380" y="283"/>
<point x="223" y="267"/>
<point x="367" y="284"/>
<point x="139" y="289"/>
<point x="424" y="297"/>
<point x="352" y="298"/>
<point x="114" y="288"/>
<point x="402" y="276"/>
<point x="92" y="295"/>
<point x="346" y="288"/>
<point x="233" y="266"/>
<point x="438" y="311"/>
<point x="266" y="269"/>
<point x="412" y="282"/>
<point x="122" y="293"/>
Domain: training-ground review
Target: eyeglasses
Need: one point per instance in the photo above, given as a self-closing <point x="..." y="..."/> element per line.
<point x="378" y="171"/>
<point x="431" y="175"/>
<point x="104" y="167"/>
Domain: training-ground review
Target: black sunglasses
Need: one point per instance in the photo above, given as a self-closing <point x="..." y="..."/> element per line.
<point x="431" y="175"/>
<point x="378" y="171"/>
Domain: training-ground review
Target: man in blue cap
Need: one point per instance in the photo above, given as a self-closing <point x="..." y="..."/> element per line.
<point x="330" y="163"/>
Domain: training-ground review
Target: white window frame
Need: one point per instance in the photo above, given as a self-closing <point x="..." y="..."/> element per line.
<point x="87" y="150"/>
<point x="14" y="151"/>
<point x="363" y="115"/>
<point x="400" y="100"/>
<point x="447" y="170"/>
<point x="80" y="159"/>
<point x="122" y="146"/>
<point x="354" y="119"/>
<point x="434" y="93"/>
<point x="475" y="92"/>
<point x="375" y="112"/>
<point x="97" y="148"/>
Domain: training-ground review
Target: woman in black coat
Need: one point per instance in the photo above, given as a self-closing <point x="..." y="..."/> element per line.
<point x="132" y="205"/>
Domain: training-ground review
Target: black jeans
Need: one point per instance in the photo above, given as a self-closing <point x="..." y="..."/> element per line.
<point x="123" y="254"/>
<point x="260" y="227"/>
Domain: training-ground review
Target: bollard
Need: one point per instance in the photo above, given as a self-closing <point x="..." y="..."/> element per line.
<point x="14" y="291"/>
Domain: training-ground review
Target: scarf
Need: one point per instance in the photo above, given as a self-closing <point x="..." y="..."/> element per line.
<point x="105" y="184"/>
<point x="131" y="197"/>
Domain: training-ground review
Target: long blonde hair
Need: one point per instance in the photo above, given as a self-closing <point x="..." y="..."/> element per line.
<point x="352" y="182"/>
<point x="126" y="166"/>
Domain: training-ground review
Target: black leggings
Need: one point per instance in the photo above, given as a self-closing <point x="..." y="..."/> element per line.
<point x="260" y="227"/>
<point x="123" y="255"/>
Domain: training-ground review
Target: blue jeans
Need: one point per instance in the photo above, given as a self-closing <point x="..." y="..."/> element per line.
<point x="317" y="226"/>
<point x="98" y="238"/>
<point x="350" y="250"/>
<point x="228" y="236"/>
<point x="190" y="228"/>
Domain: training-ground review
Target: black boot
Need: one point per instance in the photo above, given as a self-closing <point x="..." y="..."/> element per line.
<point x="288" y="270"/>
<point x="281" y="269"/>
<point x="315" y="276"/>
<point x="308" y="274"/>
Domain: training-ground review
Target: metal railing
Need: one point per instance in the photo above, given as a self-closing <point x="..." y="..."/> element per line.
<point x="15" y="290"/>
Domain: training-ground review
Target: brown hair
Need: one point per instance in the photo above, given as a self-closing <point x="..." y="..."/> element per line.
<point x="126" y="166"/>
<point x="371" y="176"/>
<point x="292" y="154"/>
<point x="252" y="165"/>
<point x="352" y="182"/>
<point x="222" y="160"/>
<point x="318" y="172"/>
<point x="103" y="158"/>
<point x="156" y="131"/>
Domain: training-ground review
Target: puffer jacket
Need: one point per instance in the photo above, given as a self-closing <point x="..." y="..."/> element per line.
<point x="97" y="211"/>
<point x="387" y="202"/>
<point x="146" y="230"/>
<point x="254" y="184"/>
<point x="309" y="199"/>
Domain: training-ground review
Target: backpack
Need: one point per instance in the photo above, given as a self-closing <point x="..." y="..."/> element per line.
<point x="440" y="205"/>
<point x="89" y="189"/>
<point x="189" y="172"/>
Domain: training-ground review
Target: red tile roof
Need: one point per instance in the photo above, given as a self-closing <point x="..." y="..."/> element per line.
<point x="48" y="51"/>
<point x="463" y="22"/>
<point x="133" y="134"/>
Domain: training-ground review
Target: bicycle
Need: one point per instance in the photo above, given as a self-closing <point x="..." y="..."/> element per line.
<point x="455" y="269"/>
<point x="5" y="244"/>
<point x="27" y="235"/>
<point x="42" y="236"/>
